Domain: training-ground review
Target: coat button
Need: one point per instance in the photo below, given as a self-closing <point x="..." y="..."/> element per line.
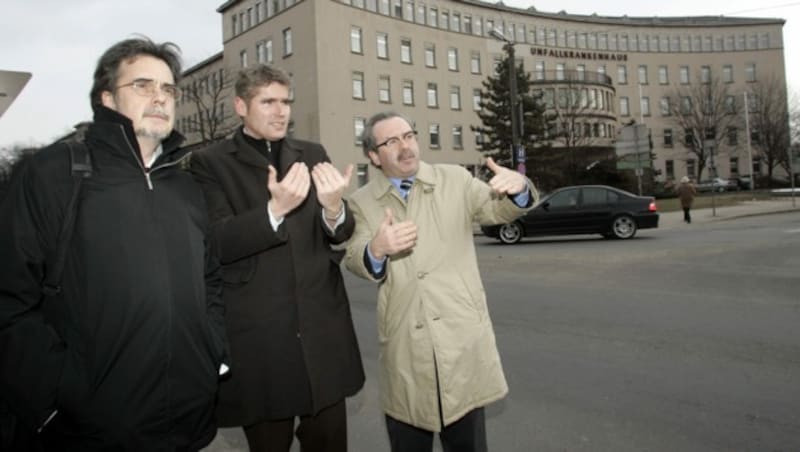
<point x="436" y="318"/>
<point x="421" y="275"/>
<point x="418" y="326"/>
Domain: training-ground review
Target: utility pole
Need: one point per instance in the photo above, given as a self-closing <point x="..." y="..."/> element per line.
<point x="517" y="153"/>
<point x="749" y="149"/>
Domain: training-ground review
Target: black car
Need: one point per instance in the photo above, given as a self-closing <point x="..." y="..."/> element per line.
<point x="583" y="209"/>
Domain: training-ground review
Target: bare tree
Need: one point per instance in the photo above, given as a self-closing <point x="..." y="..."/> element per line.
<point x="705" y="110"/>
<point x="769" y="122"/>
<point x="209" y="94"/>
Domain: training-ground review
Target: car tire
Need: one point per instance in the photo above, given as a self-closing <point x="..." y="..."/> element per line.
<point x="510" y="233"/>
<point x="623" y="227"/>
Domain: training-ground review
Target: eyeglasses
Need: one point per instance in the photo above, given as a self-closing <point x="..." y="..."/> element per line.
<point x="148" y="88"/>
<point x="393" y="142"/>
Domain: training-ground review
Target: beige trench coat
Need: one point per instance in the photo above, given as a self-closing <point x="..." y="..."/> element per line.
<point x="431" y="303"/>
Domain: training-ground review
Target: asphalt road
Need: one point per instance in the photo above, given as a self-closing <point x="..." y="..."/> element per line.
<point x="682" y="339"/>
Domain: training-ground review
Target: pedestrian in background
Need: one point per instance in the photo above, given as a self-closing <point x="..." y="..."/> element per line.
<point x="277" y="210"/>
<point x="686" y="193"/>
<point x="126" y="352"/>
<point x="438" y="358"/>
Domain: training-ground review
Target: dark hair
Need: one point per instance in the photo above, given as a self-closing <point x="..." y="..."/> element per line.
<point x="107" y="72"/>
<point x="368" y="141"/>
<point x="249" y="79"/>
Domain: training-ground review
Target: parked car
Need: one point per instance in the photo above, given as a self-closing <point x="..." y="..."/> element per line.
<point x="582" y="209"/>
<point x="743" y="181"/>
<point x="717" y="184"/>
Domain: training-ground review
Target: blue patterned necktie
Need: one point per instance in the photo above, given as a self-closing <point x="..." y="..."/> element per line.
<point x="405" y="186"/>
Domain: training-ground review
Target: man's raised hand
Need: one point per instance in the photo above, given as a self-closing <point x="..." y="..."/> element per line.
<point x="290" y="192"/>
<point x="506" y="181"/>
<point x="391" y="237"/>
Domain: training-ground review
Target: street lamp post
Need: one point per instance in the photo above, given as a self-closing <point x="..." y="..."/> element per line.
<point x="517" y="153"/>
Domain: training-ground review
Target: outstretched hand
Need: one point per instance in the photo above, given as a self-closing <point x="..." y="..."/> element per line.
<point x="391" y="237"/>
<point x="330" y="185"/>
<point x="506" y="181"/>
<point x="290" y="192"/>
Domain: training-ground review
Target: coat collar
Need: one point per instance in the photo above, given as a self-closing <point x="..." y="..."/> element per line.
<point x="426" y="176"/>
<point x="246" y="153"/>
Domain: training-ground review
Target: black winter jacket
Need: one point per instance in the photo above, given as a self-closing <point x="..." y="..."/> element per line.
<point x="129" y="352"/>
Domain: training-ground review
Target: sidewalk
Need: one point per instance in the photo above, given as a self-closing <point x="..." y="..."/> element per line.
<point x="744" y="209"/>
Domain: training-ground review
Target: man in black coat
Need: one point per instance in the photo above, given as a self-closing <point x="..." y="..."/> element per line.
<point x="127" y="355"/>
<point x="277" y="215"/>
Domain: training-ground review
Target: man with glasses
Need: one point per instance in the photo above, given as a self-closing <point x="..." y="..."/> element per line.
<point x="414" y="224"/>
<point x="277" y="211"/>
<point x="127" y="354"/>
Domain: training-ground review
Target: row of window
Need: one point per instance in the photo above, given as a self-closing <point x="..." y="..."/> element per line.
<point x="731" y="136"/>
<point x="691" y="167"/>
<point x="407" y="92"/>
<point x="264" y="49"/>
<point x="729" y="105"/>
<point x="459" y="22"/>
<point x="684" y="74"/>
<point x="252" y="15"/>
<point x="433" y="135"/>
<point x="576" y="98"/>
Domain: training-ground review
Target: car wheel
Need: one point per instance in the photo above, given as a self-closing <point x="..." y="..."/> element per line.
<point x="623" y="227"/>
<point x="510" y="233"/>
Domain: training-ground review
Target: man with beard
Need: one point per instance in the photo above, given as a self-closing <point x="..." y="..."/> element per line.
<point x="125" y="352"/>
<point x="276" y="209"/>
<point x="414" y="221"/>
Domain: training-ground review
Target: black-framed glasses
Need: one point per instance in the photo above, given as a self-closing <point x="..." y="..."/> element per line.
<point x="148" y="88"/>
<point x="393" y="142"/>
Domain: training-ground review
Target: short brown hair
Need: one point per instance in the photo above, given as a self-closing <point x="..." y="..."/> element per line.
<point x="252" y="78"/>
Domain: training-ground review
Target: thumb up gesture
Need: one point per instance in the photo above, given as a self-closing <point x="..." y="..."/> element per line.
<point x="392" y="237"/>
<point x="506" y="181"/>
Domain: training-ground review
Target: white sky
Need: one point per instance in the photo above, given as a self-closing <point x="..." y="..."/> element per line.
<point x="59" y="42"/>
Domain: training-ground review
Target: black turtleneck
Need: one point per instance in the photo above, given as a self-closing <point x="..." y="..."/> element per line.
<point x="271" y="150"/>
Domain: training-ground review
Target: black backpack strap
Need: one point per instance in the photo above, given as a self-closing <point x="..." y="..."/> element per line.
<point x="81" y="168"/>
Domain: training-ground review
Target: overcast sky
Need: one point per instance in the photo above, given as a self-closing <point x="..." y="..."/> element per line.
<point x="59" y="42"/>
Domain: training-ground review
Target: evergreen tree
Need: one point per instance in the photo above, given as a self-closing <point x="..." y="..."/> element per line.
<point x="495" y="113"/>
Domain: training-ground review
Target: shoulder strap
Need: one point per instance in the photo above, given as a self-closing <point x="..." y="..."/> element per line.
<point x="80" y="166"/>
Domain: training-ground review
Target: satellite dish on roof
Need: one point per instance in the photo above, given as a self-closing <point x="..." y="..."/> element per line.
<point x="11" y="84"/>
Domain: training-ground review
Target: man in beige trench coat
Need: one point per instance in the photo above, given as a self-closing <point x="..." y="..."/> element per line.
<point x="439" y="362"/>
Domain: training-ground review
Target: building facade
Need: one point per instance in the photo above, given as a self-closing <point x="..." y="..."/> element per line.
<point x="427" y="59"/>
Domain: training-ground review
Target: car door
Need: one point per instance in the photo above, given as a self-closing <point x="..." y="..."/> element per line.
<point x="595" y="210"/>
<point x="555" y="214"/>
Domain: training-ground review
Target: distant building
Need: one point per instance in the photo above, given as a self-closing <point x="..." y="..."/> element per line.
<point x="427" y="59"/>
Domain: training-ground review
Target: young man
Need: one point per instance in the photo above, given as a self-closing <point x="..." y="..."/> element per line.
<point x="277" y="209"/>
<point x="127" y="356"/>
<point x="438" y="357"/>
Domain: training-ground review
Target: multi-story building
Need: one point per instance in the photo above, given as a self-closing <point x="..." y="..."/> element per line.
<point x="427" y="59"/>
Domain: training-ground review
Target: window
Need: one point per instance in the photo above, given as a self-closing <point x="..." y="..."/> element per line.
<point x="433" y="135"/>
<point x="355" y="40"/>
<point x="384" y="93"/>
<point x="663" y="75"/>
<point x="430" y="55"/>
<point x="727" y="73"/>
<point x="433" y="96"/>
<point x="398" y="8"/>
<point x="433" y="17"/>
<point x="669" y="169"/>
<point x="734" y="166"/>
<point x="475" y="62"/>
<point x="560" y="67"/>
<point x="624" y="106"/>
<point x="408" y="92"/>
<point x="243" y="58"/>
<point x="733" y="136"/>
<point x="455" y="98"/>
<point x="358" y="85"/>
<point x="382" y="43"/>
<point x="645" y="104"/>
<point x="458" y="140"/>
<point x="476" y="99"/>
<point x="755" y="135"/>
<point x="690" y="168"/>
<point x="358" y="129"/>
<point x="750" y="72"/>
<point x="235" y="24"/>
<point x="287" y="42"/>
<point x="684" y="75"/>
<point x="361" y="173"/>
<point x="538" y="71"/>
<point x="686" y="105"/>
<point x="580" y="72"/>
<point x="688" y="138"/>
<point x="705" y="74"/>
<point x="643" y="75"/>
<point x="668" y="138"/>
<point x="622" y="74"/>
<point x="730" y="104"/>
<point x="405" y="51"/>
<point x="264" y="51"/>
<point x="452" y="59"/>
<point x="664" y="106"/>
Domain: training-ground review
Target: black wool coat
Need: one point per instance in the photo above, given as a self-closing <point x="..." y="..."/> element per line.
<point x="293" y="347"/>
